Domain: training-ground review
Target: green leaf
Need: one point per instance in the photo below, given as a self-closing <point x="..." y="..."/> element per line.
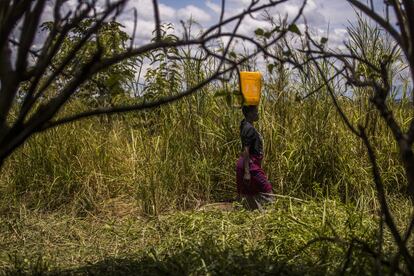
<point x="221" y="93"/>
<point x="259" y="32"/>
<point x="324" y="40"/>
<point x="228" y="99"/>
<point x="294" y="29"/>
<point x="385" y="57"/>
<point x="233" y="55"/>
<point x="270" y="67"/>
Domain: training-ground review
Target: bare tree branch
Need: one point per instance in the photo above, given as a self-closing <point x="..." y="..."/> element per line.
<point x="37" y="112"/>
<point x="378" y="80"/>
<point x="384" y="205"/>
<point x="157" y="20"/>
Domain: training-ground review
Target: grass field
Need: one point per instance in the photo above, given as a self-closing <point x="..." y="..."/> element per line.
<point x="136" y="193"/>
<point x="123" y="197"/>
<point x="291" y="237"/>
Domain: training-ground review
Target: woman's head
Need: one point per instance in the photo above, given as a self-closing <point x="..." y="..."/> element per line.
<point x="250" y="112"/>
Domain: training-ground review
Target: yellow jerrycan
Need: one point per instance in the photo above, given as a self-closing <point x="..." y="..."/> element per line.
<point x="251" y="87"/>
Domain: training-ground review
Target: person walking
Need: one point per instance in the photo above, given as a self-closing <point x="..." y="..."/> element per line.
<point x="253" y="186"/>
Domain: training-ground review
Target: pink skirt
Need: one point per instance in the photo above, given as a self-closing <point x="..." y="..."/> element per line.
<point x="258" y="179"/>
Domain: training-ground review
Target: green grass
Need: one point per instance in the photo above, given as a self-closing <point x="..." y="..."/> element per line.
<point x="195" y="242"/>
<point x="120" y="196"/>
<point x="165" y="160"/>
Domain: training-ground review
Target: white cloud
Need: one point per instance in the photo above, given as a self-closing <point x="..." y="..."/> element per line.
<point x="145" y="22"/>
<point x="145" y="29"/>
<point x="249" y="25"/>
<point x="337" y="38"/>
<point x="143" y="32"/>
<point x="214" y="7"/>
<point x="240" y="2"/>
<point x="291" y="10"/>
<point x="167" y="13"/>
<point x="319" y="15"/>
<point x="310" y="5"/>
<point x="144" y="8"/>
<point x="194" y="12"/>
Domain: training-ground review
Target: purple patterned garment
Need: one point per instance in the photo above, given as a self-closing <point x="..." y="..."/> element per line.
<point x="258" y="183"/>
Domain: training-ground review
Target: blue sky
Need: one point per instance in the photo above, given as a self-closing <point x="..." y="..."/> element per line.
<point x="180" y="3"/>
<point x="319" y="14"/>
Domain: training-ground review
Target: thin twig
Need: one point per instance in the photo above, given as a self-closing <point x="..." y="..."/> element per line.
<point x="157" y="20"/>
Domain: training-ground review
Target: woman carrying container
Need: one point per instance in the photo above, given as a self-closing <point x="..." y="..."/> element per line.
<point x="252" y="184"/>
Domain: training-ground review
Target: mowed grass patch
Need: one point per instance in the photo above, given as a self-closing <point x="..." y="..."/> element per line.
<point x="291" y="237"/>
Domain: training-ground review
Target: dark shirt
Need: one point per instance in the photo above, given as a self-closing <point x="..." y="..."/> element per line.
<point x="251" y="137"/>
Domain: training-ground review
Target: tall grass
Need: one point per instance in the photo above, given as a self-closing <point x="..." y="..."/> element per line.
<point x="178" y="157"/>
<point x="182" y="155"/>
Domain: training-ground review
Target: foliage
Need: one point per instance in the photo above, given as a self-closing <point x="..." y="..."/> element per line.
<point x="163" y="77"/>
<point x="181" y="156"/>
<point x="108" y="86"/>
<point x="177" y="159"/>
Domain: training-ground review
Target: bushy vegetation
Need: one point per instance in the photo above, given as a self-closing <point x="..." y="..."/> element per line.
<point x="183" y="155"/>
<point x="121" y="194"/>
<point x="90" y="174"/>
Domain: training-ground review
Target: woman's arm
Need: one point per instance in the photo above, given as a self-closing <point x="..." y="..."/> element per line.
<point x="246" y="165"/>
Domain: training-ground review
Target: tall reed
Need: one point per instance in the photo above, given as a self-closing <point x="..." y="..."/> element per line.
<point x="180" y="157"/>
